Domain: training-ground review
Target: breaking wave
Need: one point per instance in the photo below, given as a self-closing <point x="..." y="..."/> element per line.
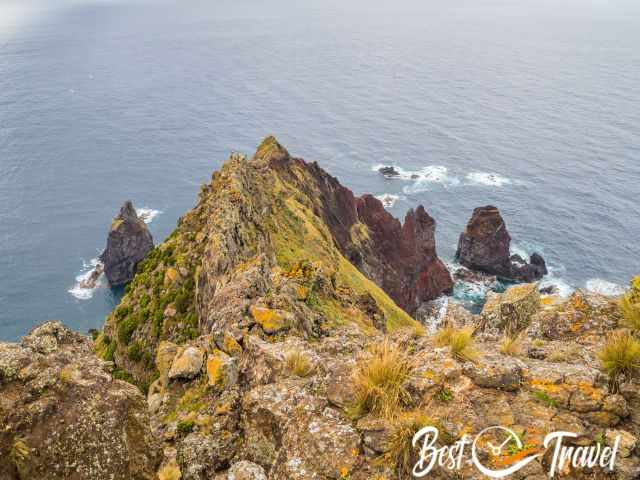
<point x="79" y="290"/>
<point x="604" y="287"/>
<point x="488" y="179"/>
<point x="430" y="175"/>
<point x="148" y="214"/>
<point x="388" y="199"/>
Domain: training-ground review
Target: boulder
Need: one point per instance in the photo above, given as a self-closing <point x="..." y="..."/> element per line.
<point x="187" y="363"/>
<point x="496" y="371"/>
<point x="128" y="243"/>
<point x="485" y="246"/>
<point x="512" y="310"/>
<point x="63" y="415"/>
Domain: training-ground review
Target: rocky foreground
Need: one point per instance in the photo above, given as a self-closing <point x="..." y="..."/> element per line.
<point x="272" y="337"/>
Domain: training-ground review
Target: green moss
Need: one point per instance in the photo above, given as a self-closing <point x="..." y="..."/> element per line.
<point x="158" y="316"/>
<point x="120" y="374"/>
<point x="135" y="352"/>
<point x="185" y="427"/>
<point x="126" y="328"/>
<point x="543" y="398"/>
<point x="144" y="300"/>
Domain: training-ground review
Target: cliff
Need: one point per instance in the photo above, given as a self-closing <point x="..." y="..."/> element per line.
<point x="271" y="334"/>
<point x="274" y="236"/>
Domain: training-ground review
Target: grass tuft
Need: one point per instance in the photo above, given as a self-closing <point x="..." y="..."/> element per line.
<point x="298" y="363"/>
<point x="171" y="471"/>
<point x="19" y="452"/>
<point x="620" y="357"/>
<point x="512" y="345"/>
<point x="459" y="341"/>
<point x="380" y="380"/>
<point x="400" y="454"/>
<point x="631" y="313"/>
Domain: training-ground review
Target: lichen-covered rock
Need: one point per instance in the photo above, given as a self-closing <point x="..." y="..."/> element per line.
<point x="512" y="310"/>
<point x="128" y="243"/>
<point x="244" y="470"/>
<point x="222" y="370"/>
<point x="63" y="415"/>
<point x="187" y="363"/>
<point x="496" y="371"/>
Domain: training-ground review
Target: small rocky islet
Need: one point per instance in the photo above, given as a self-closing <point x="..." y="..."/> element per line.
<point x="277" y="334"/>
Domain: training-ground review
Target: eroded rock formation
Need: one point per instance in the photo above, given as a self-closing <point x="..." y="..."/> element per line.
<point x="485" y="246"/>
<point x="128" y="243"/>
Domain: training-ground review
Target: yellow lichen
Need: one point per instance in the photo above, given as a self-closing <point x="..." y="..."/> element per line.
<point x="214" y="371"/>
<point x="170" y="276"/>
<point x="270" y="320"/>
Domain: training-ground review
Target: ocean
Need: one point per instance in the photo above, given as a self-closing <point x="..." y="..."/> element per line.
<point x="529" y="105"/>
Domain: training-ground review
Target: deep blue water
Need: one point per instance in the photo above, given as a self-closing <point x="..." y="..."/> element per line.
<point x="101" y="101"/>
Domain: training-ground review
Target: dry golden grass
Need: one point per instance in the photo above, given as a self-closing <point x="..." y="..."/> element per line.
<point x="19" y="452"/>
<point x="171" y="471"/>
<point x="400" y="454"/>
<point x="379" y="381"/>
<point x="298" y="363"/>
<point x="418" y="330"/>
<point x="631" y="313"/>
<point x="620" y="357"/>
<point x="512" y="345"/>
<point x="459" y="341"/>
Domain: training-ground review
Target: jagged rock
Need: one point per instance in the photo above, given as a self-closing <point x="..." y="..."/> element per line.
<point x="128" y="243"/>
<point x="187" y="363"/>
<point x="404" y="261"/>
<point x="485" y="246"/>
<point x="63" y="415"/>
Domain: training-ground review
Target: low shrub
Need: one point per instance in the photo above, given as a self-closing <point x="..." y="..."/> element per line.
<point x="459" y="341"/>
<point x="298" y="363"/>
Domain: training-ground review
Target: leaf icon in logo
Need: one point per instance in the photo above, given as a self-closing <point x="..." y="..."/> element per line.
<point x="511" y="436"/>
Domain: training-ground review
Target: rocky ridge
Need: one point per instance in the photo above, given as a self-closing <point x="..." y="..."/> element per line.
<point x="258" y="327"/>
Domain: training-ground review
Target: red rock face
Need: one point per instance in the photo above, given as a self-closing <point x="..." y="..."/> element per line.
<point x="400" y="258"/>
<point x="485" y="246"/>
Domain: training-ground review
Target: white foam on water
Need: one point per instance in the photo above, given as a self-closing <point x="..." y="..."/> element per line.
<point x="563" y="288"/>
<point x="148" y="214"/>
<point x="82" y="293"/>
<point x="429" y="176"/>
<point x="488" y="179"/>
<point x="604" y="287"/>
<point x="433" y="322"/>
<point x="388" y="199"/>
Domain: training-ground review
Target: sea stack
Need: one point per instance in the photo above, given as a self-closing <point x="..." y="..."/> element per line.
<point x="485" y="246"/>
<point x="128" y="243"/>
